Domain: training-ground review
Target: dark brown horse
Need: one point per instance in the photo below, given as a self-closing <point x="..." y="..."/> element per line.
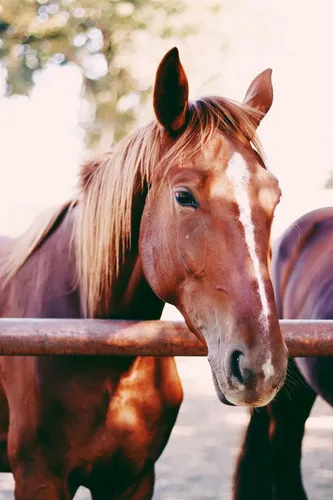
<point x="270" y="464"/>
<point x="181" y="212"/>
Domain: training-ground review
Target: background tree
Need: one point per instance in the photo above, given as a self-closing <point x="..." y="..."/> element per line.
<point x="95" y="35"/>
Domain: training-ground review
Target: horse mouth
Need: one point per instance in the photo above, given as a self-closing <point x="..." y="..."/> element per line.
<point x="258" y="403"/>
<point x="219" y="392"/>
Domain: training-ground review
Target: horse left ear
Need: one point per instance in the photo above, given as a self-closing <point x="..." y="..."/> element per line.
<point x="260" y="95"/>
<point x="171" y="92"/>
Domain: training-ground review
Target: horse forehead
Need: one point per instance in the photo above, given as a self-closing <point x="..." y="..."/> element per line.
<point x="233" y="175"/>
<point x="242" y="173"/>
<point x="217" y="151"/>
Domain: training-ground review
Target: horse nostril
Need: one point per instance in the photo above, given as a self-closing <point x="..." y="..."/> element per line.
<point x="235" y="367"/>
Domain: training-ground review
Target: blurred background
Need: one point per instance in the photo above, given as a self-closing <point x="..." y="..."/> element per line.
<point x="77" y="75"/>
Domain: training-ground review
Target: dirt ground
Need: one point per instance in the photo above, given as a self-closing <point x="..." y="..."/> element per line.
<point x="198" y="461"/>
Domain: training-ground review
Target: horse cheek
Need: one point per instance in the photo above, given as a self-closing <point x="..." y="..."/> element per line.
<point x="158" y="260"/>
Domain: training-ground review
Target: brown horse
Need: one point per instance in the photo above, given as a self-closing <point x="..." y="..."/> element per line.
<point x="270" y="464"/>
<point x="181" y="212"/>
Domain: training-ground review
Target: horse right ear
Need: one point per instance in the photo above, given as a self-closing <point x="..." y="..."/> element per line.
<point x="260" y="95"/>
<point x="171" y="93"/>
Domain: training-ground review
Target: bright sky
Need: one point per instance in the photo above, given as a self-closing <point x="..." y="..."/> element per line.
<point x="41" y="146"/>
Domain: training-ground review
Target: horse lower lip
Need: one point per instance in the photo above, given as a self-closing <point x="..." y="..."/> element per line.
<point x="226" y="402"/>
<point x="219" y="392"/>
<point x="222" y="398"/>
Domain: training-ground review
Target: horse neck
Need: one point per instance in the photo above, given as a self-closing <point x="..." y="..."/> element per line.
<point x="136" y="299"/>
<point x="132" y="297"/>
<point x="44" y="286"/>
<point x="50" y="273"/>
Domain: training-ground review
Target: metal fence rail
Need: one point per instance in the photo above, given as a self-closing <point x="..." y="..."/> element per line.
<point x="139" y="338"/>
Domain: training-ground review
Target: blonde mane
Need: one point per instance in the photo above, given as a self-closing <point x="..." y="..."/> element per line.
<point x="102" y="231"/>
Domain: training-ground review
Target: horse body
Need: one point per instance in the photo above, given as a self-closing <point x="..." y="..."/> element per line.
<point x="87" y="416"/>
<point x="302" y="279"/>
<point x="156" y="219"/>
<point x="308" y="295"/>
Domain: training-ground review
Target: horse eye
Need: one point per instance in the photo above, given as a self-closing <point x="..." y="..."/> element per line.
<point x="186" y="199"/>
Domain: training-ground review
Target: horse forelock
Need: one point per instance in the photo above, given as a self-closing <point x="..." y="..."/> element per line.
<point x="103" y="215"/>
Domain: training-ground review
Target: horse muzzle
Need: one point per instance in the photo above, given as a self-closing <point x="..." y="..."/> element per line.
<point x="243" y="379"/>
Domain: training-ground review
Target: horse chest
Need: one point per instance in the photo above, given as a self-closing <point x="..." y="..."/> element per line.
<point x="139" y="413"/>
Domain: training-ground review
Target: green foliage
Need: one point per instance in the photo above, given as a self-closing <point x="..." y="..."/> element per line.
<point x="93" y="34"/>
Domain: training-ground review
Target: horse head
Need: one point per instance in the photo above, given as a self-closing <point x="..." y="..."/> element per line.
<point x="205" y="231"/>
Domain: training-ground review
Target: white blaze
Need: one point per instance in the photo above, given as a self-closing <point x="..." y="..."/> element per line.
<point x="238" y="173"/>
<point x="268" y="368"/>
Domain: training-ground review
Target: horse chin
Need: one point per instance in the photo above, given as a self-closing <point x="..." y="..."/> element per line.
<point x="219" y="393"/>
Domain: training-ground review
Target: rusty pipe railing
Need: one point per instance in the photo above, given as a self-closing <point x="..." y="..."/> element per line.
<point x="139" y="338"/>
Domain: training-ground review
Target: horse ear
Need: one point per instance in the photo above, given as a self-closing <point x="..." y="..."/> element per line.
<point x="260" y="95"/>
<point x="171" y="92"/>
